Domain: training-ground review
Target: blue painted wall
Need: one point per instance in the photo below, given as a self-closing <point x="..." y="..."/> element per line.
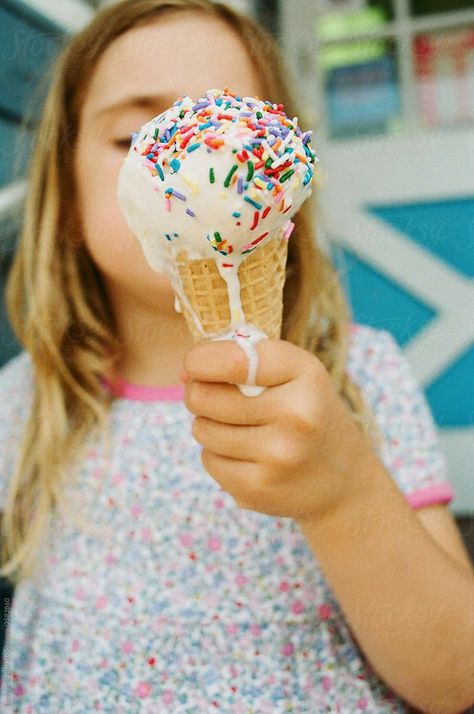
<point x="28" y="45"/>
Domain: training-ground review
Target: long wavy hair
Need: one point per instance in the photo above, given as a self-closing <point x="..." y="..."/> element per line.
<point x="57" y="305"/>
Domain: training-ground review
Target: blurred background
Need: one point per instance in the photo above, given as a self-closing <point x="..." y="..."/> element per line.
<point x="388" y="87"/>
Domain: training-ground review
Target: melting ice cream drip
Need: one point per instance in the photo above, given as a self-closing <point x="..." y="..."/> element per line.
<point x="231" y="278"/>
<point x="247" y="337"/>
<point x="243" y="334"/>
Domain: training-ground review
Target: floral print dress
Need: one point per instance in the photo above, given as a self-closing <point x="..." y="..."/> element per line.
<point x="156" y="593"/>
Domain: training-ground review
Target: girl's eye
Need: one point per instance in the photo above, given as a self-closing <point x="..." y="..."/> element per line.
<point x="125" y="141"/>
<point x="122" y="143"/>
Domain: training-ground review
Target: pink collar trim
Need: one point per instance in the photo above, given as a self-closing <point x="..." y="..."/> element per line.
<point x="144" y="393"/>
<point x="141" y="393"/>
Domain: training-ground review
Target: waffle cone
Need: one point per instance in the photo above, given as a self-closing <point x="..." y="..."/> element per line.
<point x="261" y="276"/>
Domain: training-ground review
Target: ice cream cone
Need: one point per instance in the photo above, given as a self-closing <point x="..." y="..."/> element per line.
<point x="261" y="276"/>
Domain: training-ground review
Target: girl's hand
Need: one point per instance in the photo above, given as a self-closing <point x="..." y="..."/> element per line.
<point x="292" y="451"/>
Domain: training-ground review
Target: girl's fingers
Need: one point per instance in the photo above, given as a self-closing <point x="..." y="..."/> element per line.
<point x="224" y="403"/>
<point x="232" y="474"/>
<point x="235" y="442"/>
<point x="225" y="361"/>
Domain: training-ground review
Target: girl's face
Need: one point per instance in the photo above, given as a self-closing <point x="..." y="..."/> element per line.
<point x="140" y="75"/>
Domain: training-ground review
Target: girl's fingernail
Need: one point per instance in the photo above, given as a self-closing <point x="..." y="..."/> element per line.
<point x="184" y="376"/>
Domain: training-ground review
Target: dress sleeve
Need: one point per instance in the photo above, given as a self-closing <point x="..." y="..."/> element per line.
<point x="410" y="449"/>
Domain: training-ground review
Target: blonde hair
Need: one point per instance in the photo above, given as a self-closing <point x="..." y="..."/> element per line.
<point x="58" y="308"/>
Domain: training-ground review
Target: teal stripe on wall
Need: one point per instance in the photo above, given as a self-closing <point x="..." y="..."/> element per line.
<point x="445" y="228"/>
<point x="379" y="302"/>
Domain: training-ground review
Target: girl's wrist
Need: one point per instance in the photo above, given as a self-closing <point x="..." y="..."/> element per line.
<point x="357" y="497"/>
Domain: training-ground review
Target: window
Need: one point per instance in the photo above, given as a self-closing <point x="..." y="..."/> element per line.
<point x="389" y="67"/>
<point x="426" y="7"/>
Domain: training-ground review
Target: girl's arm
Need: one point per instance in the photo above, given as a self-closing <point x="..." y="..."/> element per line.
<point x="410" y="605"/>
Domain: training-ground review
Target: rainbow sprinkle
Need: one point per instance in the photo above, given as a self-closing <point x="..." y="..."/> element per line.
<point x="253" y="203"/>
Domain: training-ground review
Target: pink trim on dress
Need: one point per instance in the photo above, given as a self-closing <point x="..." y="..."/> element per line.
<point x="145" y="393"/>
<point x="142" y="393"/>
<point x="438" y="493"/>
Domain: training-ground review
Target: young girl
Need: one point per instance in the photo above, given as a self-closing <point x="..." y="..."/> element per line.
<point x="177" y="546"/>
